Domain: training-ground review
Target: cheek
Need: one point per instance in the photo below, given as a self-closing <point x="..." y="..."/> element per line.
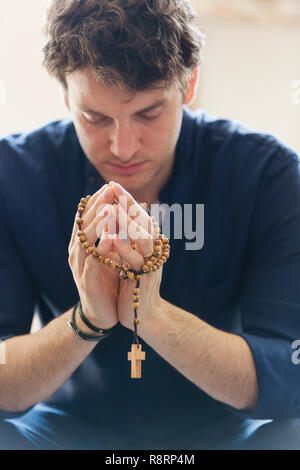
<point x="90" y="138"/>
<point x="165" y="134"/>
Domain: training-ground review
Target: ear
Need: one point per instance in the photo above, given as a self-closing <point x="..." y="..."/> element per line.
<point x="192" y="87"/>
<point x="66" y="99"/>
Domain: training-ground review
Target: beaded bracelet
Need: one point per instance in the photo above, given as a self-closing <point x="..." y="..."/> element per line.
<point x="79" y="334"/>
<point x="152" y="262"/>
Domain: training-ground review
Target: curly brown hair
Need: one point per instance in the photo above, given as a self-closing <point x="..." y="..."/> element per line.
<point x="132" y="44"/>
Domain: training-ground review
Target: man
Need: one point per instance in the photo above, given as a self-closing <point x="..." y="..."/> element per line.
<point x="218" y="323"/>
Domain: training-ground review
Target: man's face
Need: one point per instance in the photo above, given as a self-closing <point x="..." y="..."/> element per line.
<point x="129" y="138"/>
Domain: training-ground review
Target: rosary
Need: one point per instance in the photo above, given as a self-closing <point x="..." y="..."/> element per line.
<point x="152" y="262"/>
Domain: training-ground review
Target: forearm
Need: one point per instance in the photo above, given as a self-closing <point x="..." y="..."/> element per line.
<point x="38" y="364"/>
<point x="219" y="363"/>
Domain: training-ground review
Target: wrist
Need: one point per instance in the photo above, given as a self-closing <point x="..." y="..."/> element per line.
<point x="83" y="327"/>
<point x="153" y="320"/>
<point x="91" y="322"/>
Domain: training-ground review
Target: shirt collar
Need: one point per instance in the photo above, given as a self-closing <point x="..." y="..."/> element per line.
<point x="177" y="185"/>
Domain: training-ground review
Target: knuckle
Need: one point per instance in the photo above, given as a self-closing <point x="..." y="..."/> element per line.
<point x="89" y="261"/>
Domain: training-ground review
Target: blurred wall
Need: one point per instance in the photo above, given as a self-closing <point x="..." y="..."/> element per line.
<point x="248" y="72"/>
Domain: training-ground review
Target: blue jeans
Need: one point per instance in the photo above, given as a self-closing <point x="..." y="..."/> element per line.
<point x="49" y="428"/>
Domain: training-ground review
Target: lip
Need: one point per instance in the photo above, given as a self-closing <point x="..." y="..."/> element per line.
<point x="126" y="170"/>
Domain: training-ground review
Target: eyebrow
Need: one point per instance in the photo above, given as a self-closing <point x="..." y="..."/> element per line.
<point x="141" y="111"/>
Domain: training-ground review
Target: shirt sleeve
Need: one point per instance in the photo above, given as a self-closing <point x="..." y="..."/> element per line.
<point x="17" y="291"/>
<point x="270" y="293"/>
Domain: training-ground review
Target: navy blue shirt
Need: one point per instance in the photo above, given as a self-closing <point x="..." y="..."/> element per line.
<point x="245" y="279"/>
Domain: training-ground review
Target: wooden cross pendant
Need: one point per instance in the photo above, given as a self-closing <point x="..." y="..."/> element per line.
<point x="136" y="356"/>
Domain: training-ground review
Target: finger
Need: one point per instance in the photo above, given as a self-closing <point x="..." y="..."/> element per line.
<point x="92" y="264"/>
<point x="132" y="257"/>
<point x="132" y="207"/>
<point x="135" y="233"/>
<point x="84" y="243"/>
<point x="90" y="203"/>
<point x="94" y="230"/>
<point x="104" y="197"/>
<point x="105" y="247"/>
<point x="74" y="231"/>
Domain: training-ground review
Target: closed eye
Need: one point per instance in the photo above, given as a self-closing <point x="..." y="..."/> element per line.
<point x="92" y="119"/>
<point x="150" y="115"/>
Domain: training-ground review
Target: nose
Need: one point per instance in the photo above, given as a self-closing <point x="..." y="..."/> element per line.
<point x="124" y="141"/>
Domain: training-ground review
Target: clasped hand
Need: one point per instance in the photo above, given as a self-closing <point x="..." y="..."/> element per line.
<point x="105" y="299"/>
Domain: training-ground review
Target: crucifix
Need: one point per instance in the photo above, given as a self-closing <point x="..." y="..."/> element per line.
<point x="136" y="356"/>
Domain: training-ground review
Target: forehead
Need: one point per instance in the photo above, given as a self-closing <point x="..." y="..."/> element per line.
<point x="86" y="92"/>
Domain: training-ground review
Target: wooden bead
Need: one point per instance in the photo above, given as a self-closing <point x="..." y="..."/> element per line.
<point x="145" y="268"/>
<point x="80" y="210"/>
<point x="135" y="298"/>
<point x="81" y="206"/>
<point x="136" y="290"/>
<point x="125" y="269"/>
<point x="106" y="261"/>
<point x="83" y="201"/>
<point x="95" y="254"/>
<point x="113" y="264"/>
<point x="80" y="233"/>
<point x="90" y="250"/>
<point x="157" y="230"/>
<point x="83" y="238"/>
<point x="149" y="263"/>
<point x="130" y="275"/>
<point x="157" y="242"/>
<point x="138" y="277"/>
<point x="166" y="254"/>
<point x="79" y="221"/>
<point x="101" y="258"/>
<point x="157" y="249"/>
<point x="153" y="258"/>
<point x="136" y="321"/>
<point x="85" y="244"/>
<point x="164" y="258"/>
<point x="135" y="305"/>
<point x="154" y="268"/>
<point x="165" y="241"/>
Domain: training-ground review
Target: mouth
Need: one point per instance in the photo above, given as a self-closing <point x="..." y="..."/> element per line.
<point x="126" y="170"/>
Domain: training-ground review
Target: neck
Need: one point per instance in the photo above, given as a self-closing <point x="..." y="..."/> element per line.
<point x="143" y="196"/>
<point x="150" y="193"/>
